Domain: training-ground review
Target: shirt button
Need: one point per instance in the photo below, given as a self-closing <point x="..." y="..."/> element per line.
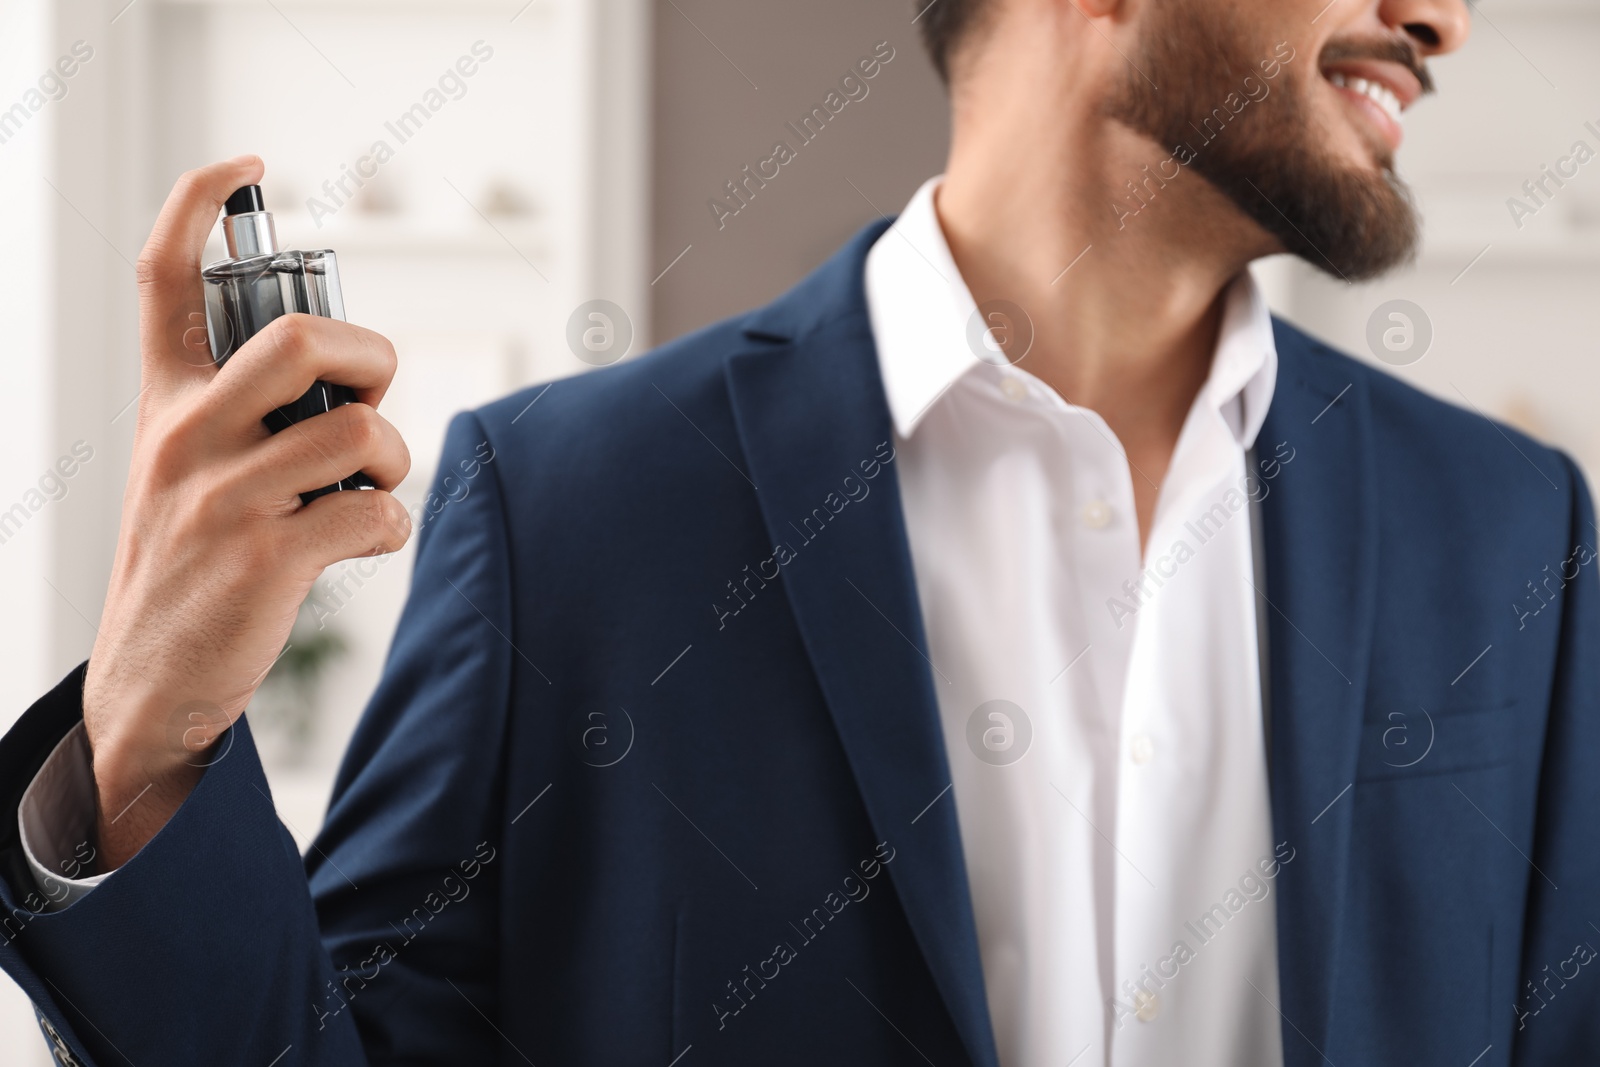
<point x="1143" y="749"/>
<point x="1097" y="514"/>
<point x="1013" y="388"/>
<point x="1145" y="1005"/>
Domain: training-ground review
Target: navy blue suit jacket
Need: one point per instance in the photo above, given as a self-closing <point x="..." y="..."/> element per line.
<point x="655" y="768"/>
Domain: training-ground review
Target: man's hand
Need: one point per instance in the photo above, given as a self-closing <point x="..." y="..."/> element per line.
<point x="216" y="552"/>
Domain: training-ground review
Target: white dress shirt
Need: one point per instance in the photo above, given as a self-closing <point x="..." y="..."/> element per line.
<point x="1119" y="791"/>
<point x="56" y="820"/>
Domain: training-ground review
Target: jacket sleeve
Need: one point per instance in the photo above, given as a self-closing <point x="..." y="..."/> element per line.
<point x="216" y="943"/>
<point x="1560" y="931"/>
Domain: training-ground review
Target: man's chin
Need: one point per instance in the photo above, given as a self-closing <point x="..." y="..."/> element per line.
<point x="1348" y="223"/>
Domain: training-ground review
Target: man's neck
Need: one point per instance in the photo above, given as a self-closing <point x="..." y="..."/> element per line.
<point x="1125" y="310"/>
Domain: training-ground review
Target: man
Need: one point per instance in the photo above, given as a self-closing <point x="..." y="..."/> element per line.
<point x="1095" y="670"/>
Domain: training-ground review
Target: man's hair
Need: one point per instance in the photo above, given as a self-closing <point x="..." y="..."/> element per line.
<point x="944" y="24"/>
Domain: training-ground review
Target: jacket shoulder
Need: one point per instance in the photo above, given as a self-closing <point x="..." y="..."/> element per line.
<point x="626" y="399"/>
<point x="1443" y="452"/>
<point x="1405" y="414"/>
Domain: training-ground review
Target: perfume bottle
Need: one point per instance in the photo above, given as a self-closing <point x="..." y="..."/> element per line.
<point x="256" y="284"/>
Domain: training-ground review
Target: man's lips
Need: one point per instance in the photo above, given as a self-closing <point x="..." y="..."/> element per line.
<point x="1380" y="90"/>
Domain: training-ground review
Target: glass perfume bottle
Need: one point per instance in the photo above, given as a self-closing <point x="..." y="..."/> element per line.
<point x="256" y="284"/>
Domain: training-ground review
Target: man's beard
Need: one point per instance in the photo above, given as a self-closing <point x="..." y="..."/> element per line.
<point x="1267" y="159"/>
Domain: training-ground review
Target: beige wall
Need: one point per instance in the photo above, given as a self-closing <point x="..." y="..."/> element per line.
<point x="725" y="86"/>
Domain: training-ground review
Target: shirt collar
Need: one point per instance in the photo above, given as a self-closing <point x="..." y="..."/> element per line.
<point x="922" y="314"/>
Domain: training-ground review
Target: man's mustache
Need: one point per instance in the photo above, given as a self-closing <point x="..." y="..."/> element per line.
<point x="1390" y="49"/>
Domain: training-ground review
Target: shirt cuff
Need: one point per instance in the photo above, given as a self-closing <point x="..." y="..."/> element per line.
<point x="57" y="822"/>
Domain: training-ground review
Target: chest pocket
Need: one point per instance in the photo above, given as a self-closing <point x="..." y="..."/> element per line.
<point x="1414" y="740"/>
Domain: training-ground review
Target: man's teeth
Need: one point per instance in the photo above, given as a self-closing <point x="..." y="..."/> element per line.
<point x="1377" y="92"/>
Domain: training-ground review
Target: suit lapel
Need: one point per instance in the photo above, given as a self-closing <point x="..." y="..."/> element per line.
<point x="810" y="409"/>
<point x="1319" y="531"/>
<point x="811" y="413"/>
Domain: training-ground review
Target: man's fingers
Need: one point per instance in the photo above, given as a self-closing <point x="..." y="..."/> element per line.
<point x="277" y="365"/>
<point x="171" y="256"/>
<point x="349" y="524"/>
<point x="325" y="448"/>
<point x="171" y="301"/>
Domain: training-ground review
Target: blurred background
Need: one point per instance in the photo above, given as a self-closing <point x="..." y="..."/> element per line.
<point x="576" y="162"/>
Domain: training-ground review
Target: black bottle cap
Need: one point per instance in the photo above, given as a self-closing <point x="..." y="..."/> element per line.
<point x="245" y="200"/>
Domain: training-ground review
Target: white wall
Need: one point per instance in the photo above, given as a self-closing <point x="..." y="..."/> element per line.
<point x="28" y="438"/>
